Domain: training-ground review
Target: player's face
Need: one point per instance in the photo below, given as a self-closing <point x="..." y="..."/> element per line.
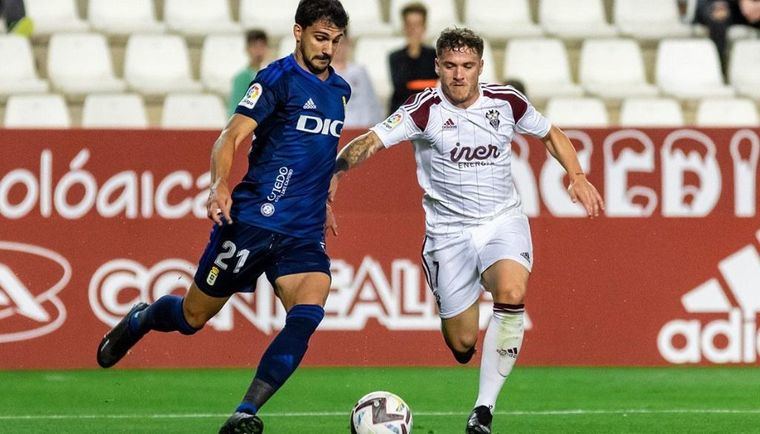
<point x="459" y="71"/>
<point x="316" y="44"/>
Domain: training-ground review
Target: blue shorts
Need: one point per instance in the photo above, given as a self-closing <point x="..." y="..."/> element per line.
<point x="237" y="254"/>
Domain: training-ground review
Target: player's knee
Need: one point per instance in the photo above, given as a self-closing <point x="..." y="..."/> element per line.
<point x="511" y="295"/>
<point x="463" y="346"/>
<point x="196" y="318"/>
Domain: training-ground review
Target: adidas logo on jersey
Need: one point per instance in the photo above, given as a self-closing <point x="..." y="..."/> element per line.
<point x="310" y="105"/>
<point x="738" y="333"/>
<point x="449" y="125"/>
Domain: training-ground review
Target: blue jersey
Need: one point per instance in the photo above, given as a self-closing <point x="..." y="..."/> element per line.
<point x="292" y="159"/>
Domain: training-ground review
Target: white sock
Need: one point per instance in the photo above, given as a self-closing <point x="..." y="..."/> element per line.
<point x="500" y="349"/>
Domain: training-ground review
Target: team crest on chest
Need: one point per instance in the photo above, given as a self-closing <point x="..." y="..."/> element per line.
<point x="493" y="118"/>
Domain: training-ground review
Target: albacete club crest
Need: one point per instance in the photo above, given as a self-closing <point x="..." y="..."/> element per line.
<point x="493" y="118"/>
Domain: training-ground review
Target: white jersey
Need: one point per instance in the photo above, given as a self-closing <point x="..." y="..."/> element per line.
<point x="464" y="155"/>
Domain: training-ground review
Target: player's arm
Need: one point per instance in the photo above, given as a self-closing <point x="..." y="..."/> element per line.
<point x="357" y="150"/>
<point x="560" y="147"/>
<point x="238" y="129"/>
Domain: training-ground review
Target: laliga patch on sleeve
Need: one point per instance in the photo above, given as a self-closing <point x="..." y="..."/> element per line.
<point x="252" y="96"/>
<point x="393" y="120"/>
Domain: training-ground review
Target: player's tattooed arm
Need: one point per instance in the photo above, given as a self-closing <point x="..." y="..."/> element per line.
<point x="219" y="203"/>
<point x="580" y="189"/>
<point x="358" y="150"/>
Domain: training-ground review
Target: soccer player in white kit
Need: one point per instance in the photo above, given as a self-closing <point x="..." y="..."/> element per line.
<point x="476" y="233"/>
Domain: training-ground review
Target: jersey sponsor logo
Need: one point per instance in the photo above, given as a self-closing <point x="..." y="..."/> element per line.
<point x="29" y="308"/>
<point x="493" y="118"/>
<point x="316" y="125"/>
<point x="393" y="121"/>
<point x="281" y="182"/>
<point x="730" y="340"/>
<point x="252" y="96"/>
<point x="267" y="209"/>
<point x="473" y="155"/>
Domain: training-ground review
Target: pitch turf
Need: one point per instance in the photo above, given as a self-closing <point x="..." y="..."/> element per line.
<point x="318" y="400"/>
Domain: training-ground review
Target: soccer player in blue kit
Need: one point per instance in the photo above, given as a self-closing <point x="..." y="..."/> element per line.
<point x="274" y="221"/>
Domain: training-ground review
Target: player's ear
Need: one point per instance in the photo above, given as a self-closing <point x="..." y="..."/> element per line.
<point x="437" y="67"/>
<point x="297" y="33"/>
<point x="480" y="67"/>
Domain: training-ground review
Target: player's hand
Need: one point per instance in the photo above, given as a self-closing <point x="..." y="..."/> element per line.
<point x="333" y="189"/>
<point x="582" y="190"/>
<point x="330" y="222"/>
<point x="219" y="203"/>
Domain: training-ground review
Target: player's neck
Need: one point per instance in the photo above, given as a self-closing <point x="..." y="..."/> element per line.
<point x="464" y="105"/>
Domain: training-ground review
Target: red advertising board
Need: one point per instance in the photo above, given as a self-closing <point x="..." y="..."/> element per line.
<point x="93" y="221"/>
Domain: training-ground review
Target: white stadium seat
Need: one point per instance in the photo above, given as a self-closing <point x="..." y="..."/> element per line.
<point x="366" y="18"/>
<point x="489" y="74"/>
<point x="690" y="69"/>
<point x="577" y="112"/>
<point x="114" y="111"/>
<point x="120" y="17"/>
<point x="91" y="72"/>
<point x="744" y="68"/>
<point x="649" y="19"/>
<point x="193" y="111"/>
<point x="276" y="21"/>
<point x="199" y="17"/>
<point x="576" y="19"/>
<point x="18" y="73"/>
<point x="543" y="66"/>
<point x="158" y="64"/>
<point x="651" y="112"/>
<point x="37" y="111"/>
<point x="373" y="52"/>
<point x="440" y="15"/>
<point x="613" y="69"/>
<point x="727" y="112"/>
<point x="501" y="19"/>
<point x="52" y="16"/>
<point x="221" y="58"/>
<point x="286" y="46"/>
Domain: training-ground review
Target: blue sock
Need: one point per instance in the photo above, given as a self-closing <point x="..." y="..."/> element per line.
<point x="282" y="357"/>
<point x="164" y="315"/>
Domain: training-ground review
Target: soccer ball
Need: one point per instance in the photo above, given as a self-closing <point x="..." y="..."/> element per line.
<point x="381" y="413"/>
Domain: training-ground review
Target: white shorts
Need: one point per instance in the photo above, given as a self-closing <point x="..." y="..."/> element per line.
<point x="454" y="265"/>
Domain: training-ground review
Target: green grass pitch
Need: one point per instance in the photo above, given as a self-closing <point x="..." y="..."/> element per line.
<point x="318" y="400"/>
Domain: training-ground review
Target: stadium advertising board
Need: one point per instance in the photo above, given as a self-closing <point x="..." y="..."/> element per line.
<point x="93" y="221"/>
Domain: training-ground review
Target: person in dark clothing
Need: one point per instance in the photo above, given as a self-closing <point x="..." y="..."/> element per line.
<point x="517" y="84"/>
<point x="16" y="20"/>
<point x="719" y="15"/>
<point x="412" y="67"/>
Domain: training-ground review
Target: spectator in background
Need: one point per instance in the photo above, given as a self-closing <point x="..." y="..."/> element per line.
<point x="363" y="109"/>
<point x="16" y="20"/>
<point x="719" y="15"/>
<point x="517" y="84"/>
<point x="412" y="67"/>
<point x="257" y="47"/>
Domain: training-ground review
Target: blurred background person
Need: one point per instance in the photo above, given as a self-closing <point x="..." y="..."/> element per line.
<point x="257" y="47"/>
<point x="412" y="67"/>
<point x="720" y="15"/>
<point x="517" y="84"/>
<point x="16" y="20"/>
<point x="363" y="110"/>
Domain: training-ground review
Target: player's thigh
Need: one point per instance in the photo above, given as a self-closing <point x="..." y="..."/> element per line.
<point x="199" y="307"/>
<point x="300" y="272"/>
<point x="505" y="252"/>
<point x="451" y="269"/>
<point x="303" y="288"/>
<point x="461" y="331"/>
<point x="507" y="281"/>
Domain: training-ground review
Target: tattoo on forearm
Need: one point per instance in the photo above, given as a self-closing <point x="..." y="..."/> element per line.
<point x="357" y="151"/>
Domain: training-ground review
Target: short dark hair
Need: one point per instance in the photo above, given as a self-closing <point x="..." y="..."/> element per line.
<point x="255" y="35"/>
<point x="517" y="84"/>
<point x="414" y="8"/>
<point x="311" y="11"/>
<point x="457" y="39"/>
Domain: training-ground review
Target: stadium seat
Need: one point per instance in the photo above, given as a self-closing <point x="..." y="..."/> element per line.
<point x="114" y="111"/>
<point x="690" y="69"/>
<point x="489" y="74"/>
<point x="18" y="73"/>
<point x="366" y="18"/>
<point x="193" y="111"/>
<point x="91" y="72"/>
<point x="276" y="21"/>
<point x="285" y="47"/>
<point x="577" y="112"/>
<point x="199" y="17"/>
<point x="372" y="52"/>
<point x="727" y="112"/>
<point x="651" y="112"/>
<point x="221" y="58"/>
<point x="158" y="64"/>
<point x="441" y="14"/>
<point x="119" y="17"/>
<point x="577" y="19"/>
<point x="37" y="111"/>
<point x="649" y="19"/>
<point x="512" y="20"/>
<point x="744" y="68"/>
<point x="613" y="69"/>
<point x="541" y="64"/>
<point x="52" y="16"/>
